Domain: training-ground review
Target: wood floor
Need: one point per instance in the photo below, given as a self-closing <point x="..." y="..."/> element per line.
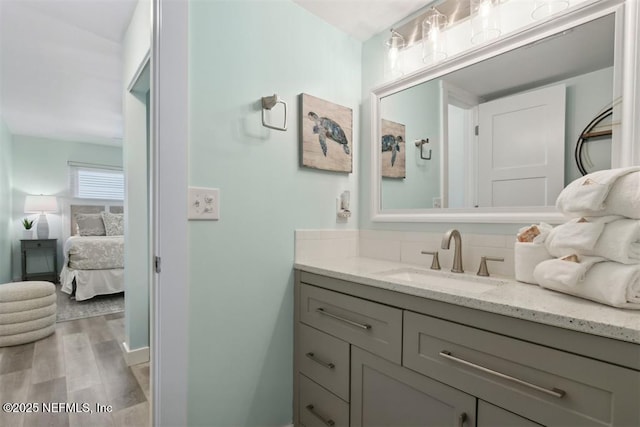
<point x="82" y="362"/>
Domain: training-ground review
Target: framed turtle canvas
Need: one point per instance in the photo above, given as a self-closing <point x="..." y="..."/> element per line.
<point x="326" y="134"/>
<point x="393" y="158"/>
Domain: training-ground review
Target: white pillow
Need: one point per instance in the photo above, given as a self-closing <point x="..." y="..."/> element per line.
<point x="90" y="224"/>
<point x="113" y="223"/>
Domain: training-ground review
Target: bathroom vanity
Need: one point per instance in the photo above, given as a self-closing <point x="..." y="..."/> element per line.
<point x="376" y="346"/>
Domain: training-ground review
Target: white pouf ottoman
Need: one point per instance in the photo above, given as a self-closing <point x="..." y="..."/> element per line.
<point x="27" y="312"/>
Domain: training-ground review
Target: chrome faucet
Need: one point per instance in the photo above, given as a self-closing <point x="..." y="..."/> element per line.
<point x="457" y="257"/>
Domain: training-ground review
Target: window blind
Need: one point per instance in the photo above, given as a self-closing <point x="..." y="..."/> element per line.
<point x="88" y="182"/>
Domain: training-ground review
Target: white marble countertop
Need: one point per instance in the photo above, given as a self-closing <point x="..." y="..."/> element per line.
<point x="509" y="298"/>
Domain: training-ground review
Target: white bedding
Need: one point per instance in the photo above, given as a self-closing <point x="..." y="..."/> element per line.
<point x="95" y="263"/>
<point x="90" y="283"/>
<point x="94" y="252"/>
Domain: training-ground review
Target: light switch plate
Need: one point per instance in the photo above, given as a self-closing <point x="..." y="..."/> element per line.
<point x="204" y="203"/>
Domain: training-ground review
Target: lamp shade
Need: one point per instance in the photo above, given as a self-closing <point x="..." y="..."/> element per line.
<point x="40" y="204"/>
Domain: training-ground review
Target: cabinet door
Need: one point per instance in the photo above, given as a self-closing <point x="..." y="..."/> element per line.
<point x="386" y="394"/>
<point x="492" y="416"/>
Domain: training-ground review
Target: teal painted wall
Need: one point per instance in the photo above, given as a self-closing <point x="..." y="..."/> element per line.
<point x="418" y="108"/>
<point x="136" y="45"/>
<point x="40" y="167"/>
<point x="587" y="96"/>
<point x="5" y="202"/>
<point x="241" y="278"/>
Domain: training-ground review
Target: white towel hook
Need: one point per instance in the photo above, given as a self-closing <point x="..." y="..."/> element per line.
<point x="268" y="102"/>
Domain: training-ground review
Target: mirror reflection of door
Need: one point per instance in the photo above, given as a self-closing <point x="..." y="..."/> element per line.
<point x="521" y="148"/>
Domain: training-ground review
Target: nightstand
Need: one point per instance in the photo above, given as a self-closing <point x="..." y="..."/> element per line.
<point x="39" y="259"/>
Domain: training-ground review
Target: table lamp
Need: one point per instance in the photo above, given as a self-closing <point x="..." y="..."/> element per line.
<point x="41" y="204"/>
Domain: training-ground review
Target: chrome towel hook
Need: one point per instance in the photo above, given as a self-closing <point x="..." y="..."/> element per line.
<point x="268" y="102"/>
<point x="420" y="143"/>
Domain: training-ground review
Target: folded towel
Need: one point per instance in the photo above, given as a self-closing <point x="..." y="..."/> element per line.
<point x="618" y="240"/>
<point x="526" y="257"/>
<point x="587" y="196"/>
<point x="624" y="197"/>
<point x="565" y="273"/>
<point x="608" y="283"/>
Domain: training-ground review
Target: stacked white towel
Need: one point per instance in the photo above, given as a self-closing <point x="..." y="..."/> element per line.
<point x="606" y="192"/>
<point x="606" y="282"/>
<point x="603" y="236"/>
<point x="617" y="241"/>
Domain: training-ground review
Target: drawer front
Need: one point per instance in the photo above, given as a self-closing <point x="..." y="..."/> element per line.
<point x="36" y="244"/>
<point x="548" y="386"/>
<point x="320" y="408"/>
<point x="369" y="325"/>
<point x="325" y="360"/>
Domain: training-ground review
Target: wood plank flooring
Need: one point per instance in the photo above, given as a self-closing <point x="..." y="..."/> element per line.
<point x="82" y="362"/>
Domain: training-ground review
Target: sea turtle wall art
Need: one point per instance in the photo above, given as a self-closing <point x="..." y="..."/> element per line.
<point x="326" y="134"/>
<point x="393" y="146"/>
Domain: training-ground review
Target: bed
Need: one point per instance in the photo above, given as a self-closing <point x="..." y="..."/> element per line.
<point x="93" y="256"/>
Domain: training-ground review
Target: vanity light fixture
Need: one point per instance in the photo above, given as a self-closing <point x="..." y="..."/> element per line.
<point x="434" y="38"/>
<point x="485" y="21"/>
<point x="395" y="44"/>
<point x="545" y="8"/>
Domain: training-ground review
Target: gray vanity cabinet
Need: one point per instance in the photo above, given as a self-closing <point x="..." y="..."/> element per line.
<point x="366" y="356"/>
<point x="492" y="416"/>
<point x="552" y="387"/>
<point x="384" y="394"/>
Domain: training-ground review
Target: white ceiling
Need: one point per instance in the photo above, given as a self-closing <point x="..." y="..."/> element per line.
<point x="61" y="68"/>
<point x="362" y="18"/>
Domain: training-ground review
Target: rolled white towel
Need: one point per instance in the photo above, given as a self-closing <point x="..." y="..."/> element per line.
<point x="587" y="196"/>
<point x="566" y="273"/>
<point x="608" y="282"/>
<point x="624" y="197"/>
<point x="578" y="234"/>
<point x="618" y="241"/>
<point x="526" y="257"/>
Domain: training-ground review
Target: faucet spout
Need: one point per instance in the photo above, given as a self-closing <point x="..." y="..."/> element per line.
<point x="457" y="256"/>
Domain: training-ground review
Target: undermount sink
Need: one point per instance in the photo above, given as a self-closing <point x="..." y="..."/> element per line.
<point x="442" y="280"/>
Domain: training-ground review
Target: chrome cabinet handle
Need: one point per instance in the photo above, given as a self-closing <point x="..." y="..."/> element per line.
<point x="555" y="392"/>
<point x="342" y="319"/>
<point x="326" y="422"/>
<point x="461" y="419"/>
<point x="327" y="365"/>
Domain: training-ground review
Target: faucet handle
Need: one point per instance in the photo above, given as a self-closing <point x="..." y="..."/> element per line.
<point x="435" y="264"/>
<point x="483" y="270"/>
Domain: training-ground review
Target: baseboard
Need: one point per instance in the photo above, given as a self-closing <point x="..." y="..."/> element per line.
<point x="135" y="357"/>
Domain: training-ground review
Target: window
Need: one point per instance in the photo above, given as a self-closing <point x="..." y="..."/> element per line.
<point x="96" y="182"/>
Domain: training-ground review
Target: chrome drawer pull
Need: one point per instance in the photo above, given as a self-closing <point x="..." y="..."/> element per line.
<point x="553" y="392"/>
<point x="461" y="419"/>
<point x="351" y="322"/>
<point x="327" y="365"/>
<point x="328" y="422"/>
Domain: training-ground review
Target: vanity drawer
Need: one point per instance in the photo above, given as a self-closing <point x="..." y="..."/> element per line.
<point x="320" y="408"/>
<point x="325" y="360"/>
<point x="369" y="325"/>
<point x="552" y="387"/>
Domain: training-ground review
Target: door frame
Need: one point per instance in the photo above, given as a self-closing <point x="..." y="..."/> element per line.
<point x="450" y="94"/>
<point x="169" y="240"/>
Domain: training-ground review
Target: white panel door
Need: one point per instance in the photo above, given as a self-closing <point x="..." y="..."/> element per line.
<point x="521" y="149"/>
